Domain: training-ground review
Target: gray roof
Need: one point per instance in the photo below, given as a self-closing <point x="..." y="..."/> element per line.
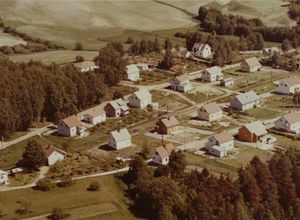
<point x="142" y="94"/>
<point x="132" y="68"/>
<point x="257" y="128"/>
<point x="120" y="135"/>
<point x="215" y="70"/>
<point x="247" y="97"/>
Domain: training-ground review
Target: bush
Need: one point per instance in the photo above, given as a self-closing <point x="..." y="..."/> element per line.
<point x="94" y="186"/>
<point x="24" y="208"/>
<point x="57" y="214"/>
<point x="44" y="184"/>
<point x="66" y="181"/>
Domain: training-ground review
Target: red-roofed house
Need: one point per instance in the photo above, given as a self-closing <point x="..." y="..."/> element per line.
<point x="166" y="125"/>
<point x="210" y="112"/>
<point x="289" y="123"/>
<point x="70" y="127"/>
<point x="162" y="153"/>
<point x="53" y="154"/>
<point x="288" y="85"/>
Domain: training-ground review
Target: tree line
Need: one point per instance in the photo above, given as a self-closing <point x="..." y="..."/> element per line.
<point x="213" y="20"/>
<point x="262" y="191"/>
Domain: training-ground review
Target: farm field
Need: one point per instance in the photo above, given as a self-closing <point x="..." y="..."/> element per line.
<point x="8" y="40"/>
<point x="58" y="56"/>
<point x="107" y="203"/>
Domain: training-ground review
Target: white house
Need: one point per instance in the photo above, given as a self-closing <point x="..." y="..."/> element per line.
<point x="143" y="67"/>
<point x="119" y="139"/>
<point x="228" y="82"/>
<point x="289" y="123"/>
<point x="245" y="101"/>
<point x="53" y="154"/>
<point x="210" y="112"/>
<point x="251" y="65"/>
<point x="4" y="178"/>
<point x="289" y="85"/>
<point x="140" y="99"/>
<point x="95" y="115"/>
<point x="184" y="53"/>
<point x="181" y="83"/>
<point x="162" y="153"/>
<point x="132" y="73"/>
<point x="212" y="74"/>
<point x="70" y="127"/>
<point x="220" y="144"/>
<point x="201" y="50"/>
<point x="85" y="66"/>
<point x="271" y="51"/>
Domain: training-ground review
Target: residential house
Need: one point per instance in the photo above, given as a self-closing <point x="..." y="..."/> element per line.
<point x="140" y="99"/>
<point x="220" y="145"/>
<point x="228" y="82"/>
<point x="251" y="65"/>
<point x="245" y="101"/>
<point x="271" y="51"/>
<point x="166" y="125"/>
<point x="85" y="66"/>
<point x="253" y="132"/>
<point x="201" y="50"/>
<point x="210" y="112"/>
<point x="184" y="53"/>
<point x="70" y="127"/>
<point x="116" y="108"/>
<point x="296" y="58"/>
<point x="119" y="139"/>
<point x="132" y="73"/>
<point x="53" y="154"/>
<point x="162" y="153"/>
<point x="4" y="178"/>
<point x="289" y="85"/>
<point x="289" y="123"/>
<point x="143" y="67"/>
<point x="212" y="74"/>
<point x="95" y="115"/>
<point x="181" y="83"/>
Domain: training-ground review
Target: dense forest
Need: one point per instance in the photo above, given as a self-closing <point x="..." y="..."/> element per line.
<point x="32" y="91"/>
<point x="262" y="191"/>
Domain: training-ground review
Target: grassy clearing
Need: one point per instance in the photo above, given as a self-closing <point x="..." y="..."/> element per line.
<point x="58" y="56"/>
<point x="9" y="40"/>
<point x="171" y="100"/>
<point x="287" y="142"/>
<point x="153" y="78"/>
<point x="262" y="113"/>
<point x="280" y="102"/>
<point x="11" y="155"/>
<point x="108" y="202"/>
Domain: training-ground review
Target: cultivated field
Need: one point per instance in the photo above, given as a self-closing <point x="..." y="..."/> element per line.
<point x="58" y="56"/>
<point x="8" y="40"/>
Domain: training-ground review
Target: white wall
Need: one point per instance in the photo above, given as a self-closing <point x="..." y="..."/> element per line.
<point x="54" y="157"/>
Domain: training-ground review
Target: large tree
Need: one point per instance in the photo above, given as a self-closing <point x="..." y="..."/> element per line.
<point x="33" y="156"/>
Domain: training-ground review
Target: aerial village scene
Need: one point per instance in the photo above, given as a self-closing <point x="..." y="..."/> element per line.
<point x="196" y="118"/>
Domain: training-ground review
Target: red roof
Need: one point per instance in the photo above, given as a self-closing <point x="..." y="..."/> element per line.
<point x="48" y="149"/>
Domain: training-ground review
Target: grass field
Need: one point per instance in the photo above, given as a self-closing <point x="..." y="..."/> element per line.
<point x="262" y="113"/>
<point x="59" y="56"/>
<point x="107" y="203"/>
<point x="9" y="40"/>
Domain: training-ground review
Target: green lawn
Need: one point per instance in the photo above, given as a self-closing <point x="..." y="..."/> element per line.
<point x="280" y="102"/>
<point x="58" y="56"/>
<point x="109" y="199"/>
<point x="11" y="155"/>
<point x="262" y="113"/>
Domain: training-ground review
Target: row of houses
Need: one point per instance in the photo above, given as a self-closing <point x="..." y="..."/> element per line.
<point x="73" y="126"/>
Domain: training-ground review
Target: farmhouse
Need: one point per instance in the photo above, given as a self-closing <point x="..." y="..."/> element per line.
<point x="289" y="85"/>
<point x="4" y="178"/>
<point x="181" y="83"/>
<point x="119" y="139"/>
<point x="253" y="132"/>
<point x="132" y="73"/>
<point x="116" y="108"/>
<point x="162" y="153"/>
<point x="220" y="144"/>
<point x="166" y="125"/>
<point x="85" y="66"/>
<point x="245" y="101"/>
<point x="95" y="115"/>
<point x="251" y="65"/>
<point x="228" y="82"/>
<point x="143" y="67"/>
<point x="289" y="123"/>
<point x="70" y="127"/>
<point x="201" y="50"/>
<point x="210" y="112"/>
<point x="212" y="74"/>
<point x="53" y="154"/>
<point x="140" y="99"/>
